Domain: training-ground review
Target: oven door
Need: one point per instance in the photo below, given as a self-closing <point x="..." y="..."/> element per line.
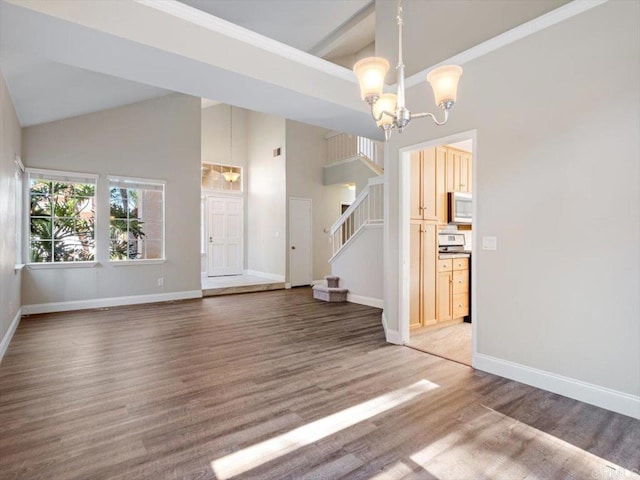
<point x="460" y="211"/>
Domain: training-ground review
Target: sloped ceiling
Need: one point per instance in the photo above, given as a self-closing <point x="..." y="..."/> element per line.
<point x="71" y="57"/>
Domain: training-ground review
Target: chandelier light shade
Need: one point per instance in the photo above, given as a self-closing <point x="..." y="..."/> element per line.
<point x="388" y="109"/>
<point x="384" y="109"/>
<point x="231" y="176"/>
<point x="371" y="72"/>
<point x="444" y="81"/>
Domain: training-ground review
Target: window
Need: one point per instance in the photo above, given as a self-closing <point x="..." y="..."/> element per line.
<point x="61" y="216"/>
<point x="136" y="229"/>
<point x="221" y="177"/>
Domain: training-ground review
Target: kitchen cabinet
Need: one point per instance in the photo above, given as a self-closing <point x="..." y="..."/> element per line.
<point x="452" y="289"/>
<point x="458" y="174"/>
<point x="422" y="281"/>
<point x="428" y="189"/>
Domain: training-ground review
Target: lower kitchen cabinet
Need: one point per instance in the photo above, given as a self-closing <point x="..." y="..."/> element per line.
<point x="452" y="289"/>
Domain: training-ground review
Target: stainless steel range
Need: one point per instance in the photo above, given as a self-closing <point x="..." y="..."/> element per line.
<point x="451" y="243"/>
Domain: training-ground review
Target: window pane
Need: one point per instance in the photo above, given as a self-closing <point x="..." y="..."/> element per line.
<point x="153" y="248"/>
<point x="40" y="251"/>
<point x="40" y="187"/>
<point x="40" y="204"/>
<point x="41" y="228"/>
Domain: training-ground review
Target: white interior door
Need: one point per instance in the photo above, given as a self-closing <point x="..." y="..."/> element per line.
<point x="224" y="236"/>
<point x="300" y="247"/>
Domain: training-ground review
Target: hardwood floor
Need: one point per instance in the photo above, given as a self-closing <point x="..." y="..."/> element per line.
<point x="452" y="342"/>
<point x="275" y="385"/>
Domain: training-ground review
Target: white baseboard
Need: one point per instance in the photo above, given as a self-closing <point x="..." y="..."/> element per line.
<point x="109" y="302"/>
<point x="392" y="336"/>
<point x="369" y="301"/>
<point x="613" y="400"/>
<point x="270" y="276"/>
<point x="9" y="335"/>
<point x="317" y="282"/>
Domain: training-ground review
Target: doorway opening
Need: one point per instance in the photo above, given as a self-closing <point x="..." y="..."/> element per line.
<point x="437" y="214"/>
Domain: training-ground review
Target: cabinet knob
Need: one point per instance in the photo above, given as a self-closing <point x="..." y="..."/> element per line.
<point x="460" y="305"/>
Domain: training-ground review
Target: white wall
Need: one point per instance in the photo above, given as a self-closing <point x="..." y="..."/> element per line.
<point x="10" y="146"/>
<point x="306" y="157"/>
<point x="557" y="170"/>
<point x="266" y="195"/>
<point x="158" y="139"/>
<point x="359" y="266"/>
<point x="354" y="171"/>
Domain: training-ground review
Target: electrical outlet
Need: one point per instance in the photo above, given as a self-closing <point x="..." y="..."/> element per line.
<point x="161" y="281"/>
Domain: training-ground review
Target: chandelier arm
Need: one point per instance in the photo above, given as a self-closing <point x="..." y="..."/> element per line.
<point x="432" y="116"/>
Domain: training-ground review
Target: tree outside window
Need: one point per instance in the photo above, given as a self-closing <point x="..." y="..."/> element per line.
<point x="61" y="218"/>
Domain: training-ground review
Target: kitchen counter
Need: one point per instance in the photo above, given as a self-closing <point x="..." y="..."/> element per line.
<point x="454" y="255"/>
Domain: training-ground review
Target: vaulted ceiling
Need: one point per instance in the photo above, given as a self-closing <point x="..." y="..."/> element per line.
<point x="71" y="57"/>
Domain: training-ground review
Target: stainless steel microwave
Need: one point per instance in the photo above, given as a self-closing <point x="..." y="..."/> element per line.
<point x="460" y="210"/>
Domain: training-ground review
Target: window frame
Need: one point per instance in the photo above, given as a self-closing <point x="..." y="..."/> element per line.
<point x="19" y="179"/>
<point x="73" y="177"/>
<point x="137" y="182"/>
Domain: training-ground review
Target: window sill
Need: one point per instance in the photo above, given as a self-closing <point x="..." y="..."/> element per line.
<point x="44" y="266"/>
<point x="131" y="263"/>
<point x="18" y="266"/>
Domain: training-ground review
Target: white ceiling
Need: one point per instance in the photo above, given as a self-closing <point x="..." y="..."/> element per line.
<point x="68" y="58"/>
<point x="302" y="24"/>
<point x="43" y="91"/>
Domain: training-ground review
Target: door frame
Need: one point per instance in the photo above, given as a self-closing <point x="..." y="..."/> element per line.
<point x="310" y="235"/>
<point x="226" y="195"/>
<point x="404" y="250"/>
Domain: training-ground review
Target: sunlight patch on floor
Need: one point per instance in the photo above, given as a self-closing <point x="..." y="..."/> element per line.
<point x="251" y="457"/>
<point x="489" y="447"/>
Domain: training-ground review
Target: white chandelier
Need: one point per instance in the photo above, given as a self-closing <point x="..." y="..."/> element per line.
<point x="388" y="109"/>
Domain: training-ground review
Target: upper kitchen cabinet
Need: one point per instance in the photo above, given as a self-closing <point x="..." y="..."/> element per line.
<point x="428" y="192"/>
<point x="458" y="170"/>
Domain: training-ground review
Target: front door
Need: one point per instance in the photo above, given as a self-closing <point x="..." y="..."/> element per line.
<point x="300" y="252"/>
<point x="224" y="236"/>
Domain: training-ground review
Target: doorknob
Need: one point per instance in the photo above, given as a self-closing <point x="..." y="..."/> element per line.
<point x="210" y="239"/>
<point x="293" y="247"/>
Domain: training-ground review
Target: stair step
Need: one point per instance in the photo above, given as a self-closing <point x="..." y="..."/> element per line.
<point x="332" y="281"/>
<point x="330" y="294"/>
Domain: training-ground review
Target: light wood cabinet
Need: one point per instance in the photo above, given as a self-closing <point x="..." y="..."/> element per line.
<point x="442" y="200"/>
<point x="452" y="289"/>
<point x="422" y="281"/>
<point x="458" y="173"/>
<point x="444" y="296"/>
<point x="428" y="193"/>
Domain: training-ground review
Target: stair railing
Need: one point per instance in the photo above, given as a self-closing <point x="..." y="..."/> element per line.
<point x="367" y="209"/>
<point x="344" y="146"/>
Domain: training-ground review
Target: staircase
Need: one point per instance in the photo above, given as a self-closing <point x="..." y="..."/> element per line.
<point x="366" y="210"/>
<point x="331" y="292"/>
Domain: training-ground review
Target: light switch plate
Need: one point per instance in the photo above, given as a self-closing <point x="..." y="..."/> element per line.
<point x="489" y="243"/>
